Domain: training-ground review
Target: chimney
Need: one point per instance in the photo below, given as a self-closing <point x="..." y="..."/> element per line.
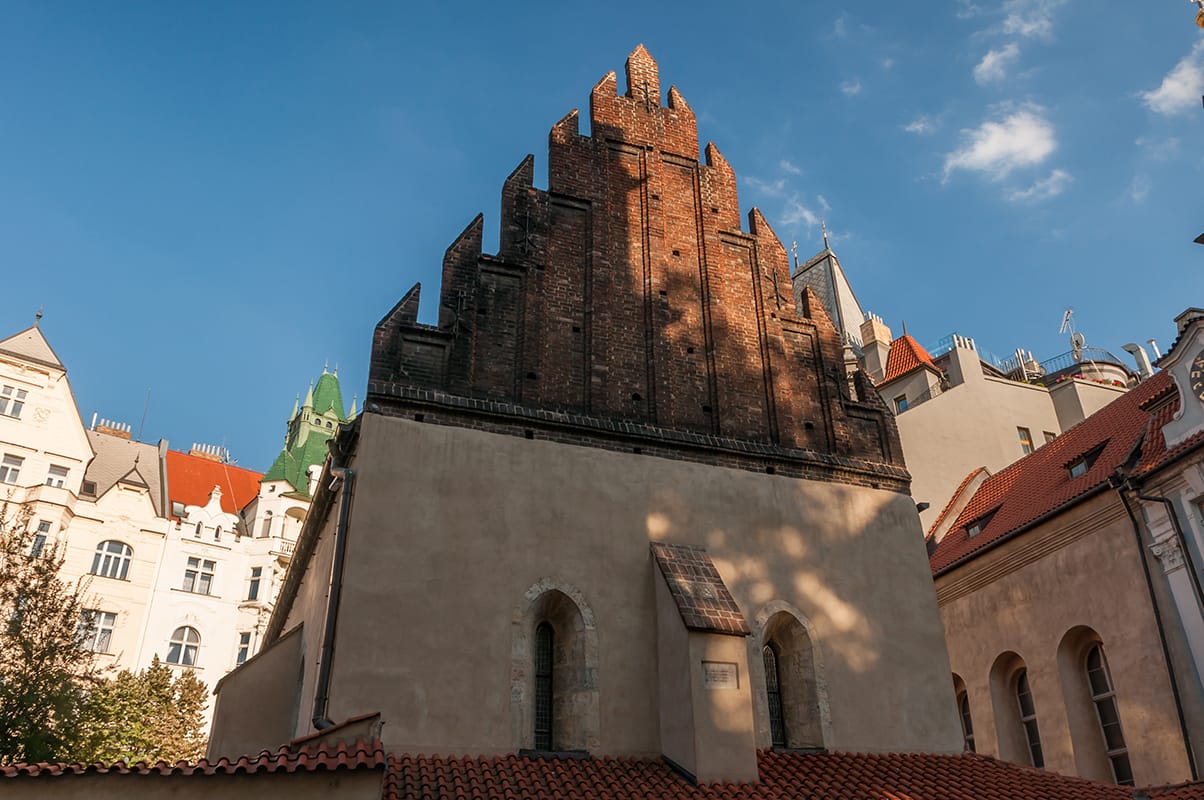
<point x="119" y="429"/>
<point x="210" y="452"/>
<point x="875" y="343"/>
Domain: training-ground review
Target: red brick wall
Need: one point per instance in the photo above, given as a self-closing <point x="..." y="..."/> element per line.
<point x="629" y="291"/>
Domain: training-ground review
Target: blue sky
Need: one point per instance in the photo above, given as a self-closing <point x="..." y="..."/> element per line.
<point x="213" y="200"/>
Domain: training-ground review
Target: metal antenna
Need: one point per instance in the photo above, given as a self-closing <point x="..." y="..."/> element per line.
<point x="823" y="226"/>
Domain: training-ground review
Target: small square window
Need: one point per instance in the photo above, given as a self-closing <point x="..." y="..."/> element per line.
<point x="57" y="476"/>
<point x="900" y="404"/>
<point x="1078" y="468"/>
<point x="977" y="526"/>
<point x="1049" y="437"/>
<point x="88" y="489"/>
<point x="177" y="509"/>
<point x="10" y="469"/>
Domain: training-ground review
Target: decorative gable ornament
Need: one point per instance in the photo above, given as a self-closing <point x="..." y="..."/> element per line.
<point x="1185" y="363"/>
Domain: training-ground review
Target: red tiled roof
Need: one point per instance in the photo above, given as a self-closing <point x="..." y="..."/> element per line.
<point x="953" y="499"/>
<point x="190" y="479"/>
<point x="1040" y="484"/>
<point x="784" y="776"/>
<point x="1180" y="791"/>
<point x="906" y="354"/>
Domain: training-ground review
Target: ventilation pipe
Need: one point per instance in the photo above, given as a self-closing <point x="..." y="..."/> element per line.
<point x="1144" y="370"/>
<point x="346" y="476"/>
<point x="1153" y="343"/>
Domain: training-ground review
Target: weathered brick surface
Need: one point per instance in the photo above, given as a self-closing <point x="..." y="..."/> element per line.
<point x="629" y="292"/>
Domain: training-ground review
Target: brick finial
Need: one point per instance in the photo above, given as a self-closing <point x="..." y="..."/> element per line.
<point x="643" y="77"/>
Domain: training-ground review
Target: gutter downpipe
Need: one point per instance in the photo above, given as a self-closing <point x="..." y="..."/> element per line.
<point x="346" y="475"/>
<point x="1188" y="561"/>
<point x="1166" y="653"/>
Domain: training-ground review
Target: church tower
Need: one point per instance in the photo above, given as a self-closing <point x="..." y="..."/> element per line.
<point x="310" y="427"/>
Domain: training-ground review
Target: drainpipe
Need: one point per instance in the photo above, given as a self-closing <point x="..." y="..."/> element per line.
<point x="1166" y="653"/>
<point x="322" y="691"/>
<point x="1188" y="560"/>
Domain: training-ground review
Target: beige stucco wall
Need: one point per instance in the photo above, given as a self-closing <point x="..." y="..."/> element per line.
<point x="969" y="425"/>
<point x="1074" y="399"/>
<point x="256" y="707"/>
<point x="1079" y="569"/>
<point x="450" y="527"/>
<point x="361" y="784"/>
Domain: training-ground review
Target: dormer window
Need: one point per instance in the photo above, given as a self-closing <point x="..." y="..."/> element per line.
<point x="1082" y="464"/>
<point x="976" y="527"/>
<point x="177" y="508"/>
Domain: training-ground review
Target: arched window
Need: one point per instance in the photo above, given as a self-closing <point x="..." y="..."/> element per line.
<point x="112" y="559"/>
<point x="217" y="533"/>
<point x="792" y="688"/>
<point x="265" y="529"/>
<point x="545" y="653"/>
<point x="963" y="709"/>
<point x="773" y="690"/>
<point x="182" y="649"/>
<point x="1028" y="718"/>
<point x="1104" y="697"/>
<point x="197" y="534"/>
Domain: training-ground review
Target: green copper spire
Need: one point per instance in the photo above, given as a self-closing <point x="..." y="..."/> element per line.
<point x="310" y="427"/>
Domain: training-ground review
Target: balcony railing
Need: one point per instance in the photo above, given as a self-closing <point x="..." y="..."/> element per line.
<point x="1090" y="354"/>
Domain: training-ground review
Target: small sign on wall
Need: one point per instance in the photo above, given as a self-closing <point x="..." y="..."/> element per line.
<point x="720" y="675"/>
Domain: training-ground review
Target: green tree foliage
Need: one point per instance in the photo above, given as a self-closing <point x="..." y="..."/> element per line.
<point x="145" y="716"/>
<point x="44" y="673"/>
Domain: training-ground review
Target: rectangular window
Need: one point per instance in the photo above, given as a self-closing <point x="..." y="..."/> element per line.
<point x="96" y="630"/>
<point x="39" y="539"/>
<point x="57" y="476"/>
<point x="244" y="646"/>
<point x="900" y="404"/>
<point x="10" y="469"/>
<point x="1026" y="440"/>
<point x="12" y="400"/>
<point x="177" y="509"/>
<point x="1049" y="437"/>
<point x="88" y="489"/>
<point x="253" y="589"/>
<point x="198" y="576"/>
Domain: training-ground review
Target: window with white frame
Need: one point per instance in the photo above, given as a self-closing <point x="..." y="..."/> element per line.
<point x="39" y="538"/>
<point x="96" y="630"/>
<point x="112" y="559"/>
<point x="198" y="576"/>
<point x="183" y="647"/>
<point x="57" y="476"/>
<point x="12" y="401"/>
<point x="253" y="587"/>
<point x="266" y="529"/>
<point x="10" y="469"/>
<point x="244" y="646"/>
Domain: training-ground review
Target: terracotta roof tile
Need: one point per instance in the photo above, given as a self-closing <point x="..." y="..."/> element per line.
<point x="953" y="499"/>
<point x="1040" y="484"/>
<point x="784" y="776"/>
<point x="702" y="598"/>
<point x="190" y="479"/>
<point x="906" y="355"/>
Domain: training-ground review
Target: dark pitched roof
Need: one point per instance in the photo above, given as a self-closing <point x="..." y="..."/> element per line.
<point x="784" y="776"/>
<point x="702" y="598"/>
<point x="906" y="355"/>
<point x="31" y="345"/>
<point x="1040" y="484"/>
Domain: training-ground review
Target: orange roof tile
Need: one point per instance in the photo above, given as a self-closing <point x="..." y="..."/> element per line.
<point x="906" y="354"/>
<point x="784" y="776"/>
<point x="190" y="479"/>
<point x="1040" y="484"/>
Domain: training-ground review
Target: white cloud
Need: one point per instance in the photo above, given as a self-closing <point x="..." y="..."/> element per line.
<point x="840" y="28"/>
<point x="1139" y="187"/>
<point x="823" y="203"/>
<point x="1159" y="149"/>
<point x="796" y="211"/>
<point x="994" y="65"/>
<point x="888" y="63"/>
<point x="1044" y="188"/>
<point x="775" y="188"/>
<point x="967" y="9"/>
<point x="851" y="88"/>
<point x="922" y="125"/>
<point x="1020" y="137"/>
<point x="788" y="167"/>
<point x="1030" y="18"/>
<point x="1181" y="88"/>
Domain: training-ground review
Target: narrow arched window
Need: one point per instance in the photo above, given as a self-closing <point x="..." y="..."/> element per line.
<point x="963" y="709"/>
<point x="112" y="559"/>
<point x="1104" y="697"/>
<point x="1028" y="719"/>
<point x="217" y="533"/>
<point x="182" y="649"/>
<point x="544" y="655"/>
<point x="773" y="692"/>
<point x="197" y="534"/>
<point x="266" y="529"/>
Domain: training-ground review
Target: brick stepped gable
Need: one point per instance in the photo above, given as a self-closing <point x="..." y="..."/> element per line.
<point x="627" y="299"/>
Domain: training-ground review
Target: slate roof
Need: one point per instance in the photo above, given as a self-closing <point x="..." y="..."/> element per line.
<point x="328" y="395"/>
<point x="190" y="479"/>
<point x="906" y="355"/>
<point x="1127" y="430"/>
<point x="293" y="465"/>
<point x="30" y="344"/>
<point x="784" y="776"/>
<point x="702" y="598"/>
<point x="120" y="459"/>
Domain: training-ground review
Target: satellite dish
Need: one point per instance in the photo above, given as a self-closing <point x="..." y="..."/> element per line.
<point x="1077" y="341"/>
